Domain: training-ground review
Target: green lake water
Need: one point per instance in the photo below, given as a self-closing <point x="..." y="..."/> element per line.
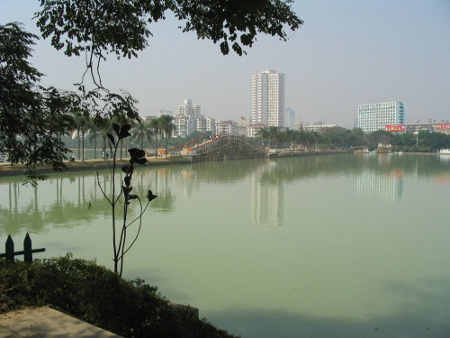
<point x="317" y="246"/>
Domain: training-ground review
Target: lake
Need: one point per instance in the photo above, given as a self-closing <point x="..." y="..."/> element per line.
<point x="348" y="245"/>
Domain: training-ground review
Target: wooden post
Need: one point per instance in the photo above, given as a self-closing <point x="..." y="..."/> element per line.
<point x="9" y="249"/>
<point x="27" y="251"/>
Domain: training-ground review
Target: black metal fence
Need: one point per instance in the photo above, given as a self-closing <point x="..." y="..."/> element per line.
<point x="27" y="251"/>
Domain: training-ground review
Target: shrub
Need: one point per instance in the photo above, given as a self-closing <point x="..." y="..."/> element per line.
<point x="98" y="296"/>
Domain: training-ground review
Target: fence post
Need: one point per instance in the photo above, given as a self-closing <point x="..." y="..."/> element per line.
<point x="9" y="249"/>
<point x="27" y="250"/>
<point x="28" y="253"/>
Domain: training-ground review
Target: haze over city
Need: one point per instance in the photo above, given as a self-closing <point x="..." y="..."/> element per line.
<point x="346" y="53"/>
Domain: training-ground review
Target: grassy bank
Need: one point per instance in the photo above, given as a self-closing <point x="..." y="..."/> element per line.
<point x="98" y="296"/>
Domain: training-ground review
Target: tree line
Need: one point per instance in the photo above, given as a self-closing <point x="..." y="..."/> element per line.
<point x="143" y="134"/>
<point x="338" y="138"/>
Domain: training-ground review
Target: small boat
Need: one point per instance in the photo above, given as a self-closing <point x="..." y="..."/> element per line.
<point x="444" y="152"/>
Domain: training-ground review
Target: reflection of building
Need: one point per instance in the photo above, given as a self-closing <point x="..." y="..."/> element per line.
<point x="375" y="116"/>
<point x="380" y="184"/>
<point x="268" y="98"/>
<point x="267" y="199"/>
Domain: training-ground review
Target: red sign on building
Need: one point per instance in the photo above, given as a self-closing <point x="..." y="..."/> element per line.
<point x="442" y="126"/>
<point x="395" y="128"/>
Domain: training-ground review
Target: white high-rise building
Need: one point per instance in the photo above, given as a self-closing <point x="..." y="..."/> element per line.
<point x="375" y="116"/>
<point x="185" y="119"/>
<point x="268" y="94"/>
<point x="187" y="108"/>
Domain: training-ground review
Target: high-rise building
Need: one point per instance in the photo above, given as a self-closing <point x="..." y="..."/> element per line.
<point x="268" y="98"/>
<point x="375" y="116"/>
<point x="184" y="121"/>
<point x="187" y="108"/>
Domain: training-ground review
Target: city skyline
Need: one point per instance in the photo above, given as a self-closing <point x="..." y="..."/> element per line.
<point x="346" y="54"/>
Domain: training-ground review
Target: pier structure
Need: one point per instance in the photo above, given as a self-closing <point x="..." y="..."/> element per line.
<point x="222" y="148"/>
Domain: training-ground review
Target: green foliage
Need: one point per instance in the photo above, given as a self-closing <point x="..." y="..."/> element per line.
<point x="98" y="296"/>
<point x="32" y="118"/>
<point x="425" y="141"/>
<point x="100" y="27"/>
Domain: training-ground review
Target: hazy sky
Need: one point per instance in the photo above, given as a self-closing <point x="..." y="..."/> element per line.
<point x="347" y="53"/>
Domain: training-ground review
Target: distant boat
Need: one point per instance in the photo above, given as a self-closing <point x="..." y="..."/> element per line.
<point x="444" y="152"/>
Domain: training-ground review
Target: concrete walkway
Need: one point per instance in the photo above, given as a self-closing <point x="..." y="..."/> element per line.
<point x="46" y="322"/>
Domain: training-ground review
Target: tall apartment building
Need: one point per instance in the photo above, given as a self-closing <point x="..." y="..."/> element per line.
<point x="203" y="125"/>
<point x="185" y="119"/>
<point x="187" y="108"/>
<point x="268" y="100"/>
<point x="375" y="116"/>
<point x="226" y="128"/>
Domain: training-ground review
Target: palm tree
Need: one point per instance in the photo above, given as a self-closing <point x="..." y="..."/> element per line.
<point x="274" y="134"/>
<point x="81" y="126"/>
<point x="167" y="127"/>
<point x="264" y="134"/>
<point x="140" y="133"/>
<point x="155" y="126"/>
<point x="94" y="131"/>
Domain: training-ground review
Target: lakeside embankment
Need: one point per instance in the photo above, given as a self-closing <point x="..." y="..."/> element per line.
<point x="7" y="169"/>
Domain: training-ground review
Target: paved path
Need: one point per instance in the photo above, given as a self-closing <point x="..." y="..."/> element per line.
<point x="46" y="322"/>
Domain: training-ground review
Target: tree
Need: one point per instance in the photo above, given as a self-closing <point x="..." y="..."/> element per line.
<point x="32" y="118"/>
<point x="94" y="131"/>
<point x="81" y="126"/>
<point x="167" y="128"/>
<point x="155" y="126"/>
<point x="99" y="27"/>
<point x="141" y="133"/>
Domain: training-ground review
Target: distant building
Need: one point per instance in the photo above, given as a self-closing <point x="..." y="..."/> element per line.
<point x="268" y="98"/>
<point x="242" y="125"/>
<point x="185" y="120"/>
<point x="317" y="127"/>
<point x="289" y="118"/>
<point x="254" y="129"/>
<point x="430" y="125"/>
<point x="187" y="108"/>
<point x="149" y="118"/>
<point x="184" y="125"/>
<point x="375" y="116"/>
<point x="226" y="128"/>
<point x="203" y="125"/>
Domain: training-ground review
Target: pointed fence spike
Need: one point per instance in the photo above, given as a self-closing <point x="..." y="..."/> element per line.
<point x="28" y="253"/>
<point x="9" y="249"/>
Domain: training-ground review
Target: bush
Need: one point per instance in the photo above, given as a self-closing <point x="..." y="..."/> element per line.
<point x="98" y="296"/>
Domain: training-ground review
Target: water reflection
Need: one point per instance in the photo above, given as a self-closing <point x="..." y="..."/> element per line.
<point x="329" y="246"/>
<point x="64" y="200"/>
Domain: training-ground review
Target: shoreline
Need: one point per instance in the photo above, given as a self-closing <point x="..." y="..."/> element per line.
<point x="6" y="169"/>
